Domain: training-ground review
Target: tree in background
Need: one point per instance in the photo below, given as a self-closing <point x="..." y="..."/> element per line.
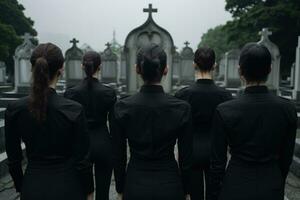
<point x="249" y="17"/>
<point x="13" y="24"/>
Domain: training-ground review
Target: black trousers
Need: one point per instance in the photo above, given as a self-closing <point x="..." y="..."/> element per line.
<point x="247" y="182"/>
<point x="100" y="156"/>
<point x="200" y="183"/>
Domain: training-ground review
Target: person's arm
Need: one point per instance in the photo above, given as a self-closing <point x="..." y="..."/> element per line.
<point x="185" y="150"/>
<point x="13" y="150"/>
<point x="81" y="150"/>
<point x="218" y="155"/>
<point x="119" y="151"/>
<point x="288" y="145"/>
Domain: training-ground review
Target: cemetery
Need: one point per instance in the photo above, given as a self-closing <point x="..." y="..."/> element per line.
<point x="118" y="72"/>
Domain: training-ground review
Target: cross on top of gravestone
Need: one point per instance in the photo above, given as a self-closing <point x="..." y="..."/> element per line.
<point x="187" y="44"/>
<point x="150" y="10"/>
<point x="27" y="37"/>
<point x="74" y="41"/>
<point x="265" y="33"/>
<point x="108" y="45"/>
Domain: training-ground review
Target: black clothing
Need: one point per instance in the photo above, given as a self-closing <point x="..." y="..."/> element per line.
<point x="260" y="129"/>
<point x="203" y="96"/>
<point x="152" y="122"/>
<point x="97" y="100"/>
<point x="54" y="149"/>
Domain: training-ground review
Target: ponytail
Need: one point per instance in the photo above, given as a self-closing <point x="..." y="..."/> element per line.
<point x="39" y="89"/>
<point x="46" y="60"/>
<point x="91" y="62"/>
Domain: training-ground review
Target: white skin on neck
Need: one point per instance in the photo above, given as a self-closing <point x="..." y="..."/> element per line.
<point x="203" y="74"/>
<point x="53" y="82"/>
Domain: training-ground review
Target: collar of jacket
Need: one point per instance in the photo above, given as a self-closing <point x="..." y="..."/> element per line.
<point x="205" y="81"/>
<point x="152" y="89"/>
<point x="256" y="90"/>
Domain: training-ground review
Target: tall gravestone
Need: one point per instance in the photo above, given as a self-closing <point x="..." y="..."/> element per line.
<point x="274" y="76"/>
<point x="292" y="75"/>
<point x="2" y="73"/>
<point x="296" y="91"/>
<point x="123" y="67"/>
<point x="176" y="73"/>
<point x="231" y="76"/>
<point x="23" y="66"/>
<point x="221" y="69"/>
<point x="146" y="34"/>
<point x="73" y="69"/>
<point x="109" y="66"/>
<point x="187" y="67"/>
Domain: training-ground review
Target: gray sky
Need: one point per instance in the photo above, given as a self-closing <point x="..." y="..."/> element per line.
<point x="93" y="21"/>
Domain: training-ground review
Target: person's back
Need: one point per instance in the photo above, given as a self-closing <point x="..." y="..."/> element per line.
<point x="97" y="100"/>
<point x="53" y="131"/>
<point x="203" y="96"/>
<point x="152" y="122"/>
<point x="260" y="130"/>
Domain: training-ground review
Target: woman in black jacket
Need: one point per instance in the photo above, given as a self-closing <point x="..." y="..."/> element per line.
<point x="97" y="100"/>
<point x="260" y="129"/>
<point x="204" y="96"/>
<point x="54" y="132"/>
<point x="152" y="122"/>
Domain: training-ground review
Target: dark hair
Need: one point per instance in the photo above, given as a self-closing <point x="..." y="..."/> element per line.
<point x="255" y="62"/>
<point x="91" y="62"/>
<point x="46" y="60"/>
<point x="152" y="61"/>
<point x="205" y="58"/>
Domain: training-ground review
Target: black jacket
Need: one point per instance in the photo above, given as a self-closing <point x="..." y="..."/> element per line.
<point x="258" y="127"/>
<point x="152" y="122"/>
<point x="61" y="138"/>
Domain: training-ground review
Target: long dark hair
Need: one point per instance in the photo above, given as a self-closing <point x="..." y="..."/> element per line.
<point x="151" y="61"/>
<point x="91" y="62"/>
<point x="46" y="60"/>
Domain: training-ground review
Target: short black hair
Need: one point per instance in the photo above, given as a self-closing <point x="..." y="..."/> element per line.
<point x="255" y="62"/>
<point x="152" y="61"/>
<point x="205" y="58"/>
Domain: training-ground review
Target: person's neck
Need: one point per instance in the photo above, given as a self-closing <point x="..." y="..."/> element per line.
<point x="203" y="75"/>
<point x="53" y="83"/>
<point x="96" y="75"/>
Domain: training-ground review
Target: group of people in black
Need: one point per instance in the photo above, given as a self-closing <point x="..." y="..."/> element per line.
<point x="74" y="143"/>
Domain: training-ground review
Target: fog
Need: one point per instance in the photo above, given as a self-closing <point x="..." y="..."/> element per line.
<point x="92" y="22"/>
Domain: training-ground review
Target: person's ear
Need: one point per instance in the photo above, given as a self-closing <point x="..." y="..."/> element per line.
<point x="82" y="66"/>
<point x="61" y="71"/>
<point x="195" y="65"/>
<point x="166" y="70"/>
<point x="241" y="74"/>
<point x="138" y="70"/>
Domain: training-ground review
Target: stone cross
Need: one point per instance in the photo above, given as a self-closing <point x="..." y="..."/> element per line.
<point x="187" y="44"/>
<point x="27" y="37"/>
<point x="108" y="45"/>
<point x="74" y="41"/>
<point x="150" y="10"/>
<point x="265" y="33"/>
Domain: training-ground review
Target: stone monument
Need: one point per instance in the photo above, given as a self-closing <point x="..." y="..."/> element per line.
<point x="231" y="76"/>
<point x="187" y="68"/>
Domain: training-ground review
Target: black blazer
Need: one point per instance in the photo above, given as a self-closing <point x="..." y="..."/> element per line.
<point x="152" y="121"/>
<point x="258" y="127"/>
<point x="61" y="138"/>
<point x="97" y="100"/>
<point x="203" y="96"/>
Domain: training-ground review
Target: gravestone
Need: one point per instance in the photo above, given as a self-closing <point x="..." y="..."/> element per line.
<point x="296" y="90"/>
<point x="109" y="65"/>
<point x="23" y="66"/>
<point x="146" y="34"/>
<point x="123" y="67"/>
<point x="2" y="73"/>
<point x="274" y="76"/>
<point x="292" y="76"/>
<point x="176" y="73"/>
<point x="73" y="69"/>
<point x="187" y="67"/>
<point x="231" y="76"/>
<point x="221" y="69"/>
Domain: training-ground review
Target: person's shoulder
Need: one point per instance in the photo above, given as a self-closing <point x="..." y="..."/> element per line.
<point x="178" y="102"/>
<point x="224" y="92"/>
<point x="70" y="108"/>
<point x="287" y="103"/>
<point x="183" y="92"/>
<point x="107" y="89"/>
<point x="18" y="105"/>
<point x="73" y="90"/>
